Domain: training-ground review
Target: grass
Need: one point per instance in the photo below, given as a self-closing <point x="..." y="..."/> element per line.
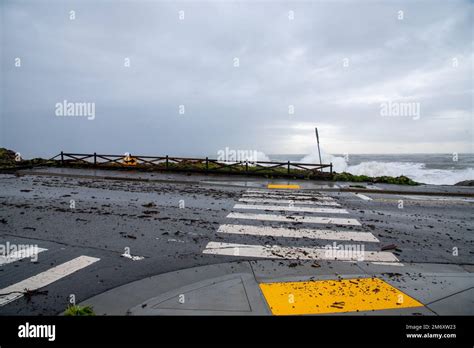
<point x="8" y="160"/>
<point x="399" y="180"/>
<point x="77" y="310"/>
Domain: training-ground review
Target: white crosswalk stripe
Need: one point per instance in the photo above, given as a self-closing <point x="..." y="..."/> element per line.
<point x="363" y="197"/>
<point x="388" y="263"/>
<point x="288" y="201"/>
<point x="282" y="202"/>
<point x="29" y="252"/>
<point x="285" y="193"/>
<point x="16" y="291"/>
<point x="231" y="249"/>
<point x="294" y="218"/>
<point x="289" y="196"/>
<point x="290" y="208"/>
<point x="297" y="233"/>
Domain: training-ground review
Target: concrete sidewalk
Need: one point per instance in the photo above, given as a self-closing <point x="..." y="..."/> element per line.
<point x="266" y="287"/>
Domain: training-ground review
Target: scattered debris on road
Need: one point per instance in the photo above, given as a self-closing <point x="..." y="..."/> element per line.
<point x="389" y="247"/>
<point x="133" y="258"/>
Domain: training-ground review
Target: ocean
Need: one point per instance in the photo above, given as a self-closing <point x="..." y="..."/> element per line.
<point x="436" y="169"/>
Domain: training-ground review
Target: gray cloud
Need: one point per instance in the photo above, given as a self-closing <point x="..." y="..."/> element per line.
<point x="282" y="63"/>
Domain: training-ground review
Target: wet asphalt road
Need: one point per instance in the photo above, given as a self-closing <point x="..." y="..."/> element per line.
<point x="170" y="224"/>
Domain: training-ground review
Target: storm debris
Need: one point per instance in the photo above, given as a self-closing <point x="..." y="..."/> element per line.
<point x="125" y="235"/>
<point x="30" y="293"/>
<point x="133" y="258"/>
<point x="389" y="247"/>
<point x="338" y="305"/>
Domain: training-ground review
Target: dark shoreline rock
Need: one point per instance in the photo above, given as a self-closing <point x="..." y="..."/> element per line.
<point x="7" y="157"/>
<point x="465" y="183"/>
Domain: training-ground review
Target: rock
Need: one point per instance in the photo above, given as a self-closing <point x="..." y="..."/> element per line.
<point x="7" y="157"/>
<point x="149" y="205"/>
<point x="465" y="183"/>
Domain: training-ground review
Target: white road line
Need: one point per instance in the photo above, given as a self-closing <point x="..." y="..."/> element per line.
<point x="439" y="198"/>
<point x="284" y="193"/>
<point x="31" y="251"/>
<point x="289" y="196"/>
<point x="365" y="198"/>
<point x="288" y="208"/>
<point x="298" y="233"/>
<point x="287" y="201"/>
<point x="231" y="249"/>
<point x="45" y="278"/>
<point x="388" y="263"/>
<point x="308" y="219"/>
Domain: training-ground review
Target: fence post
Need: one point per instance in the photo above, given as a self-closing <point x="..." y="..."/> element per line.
<point x="166" y="161"/>
<point x="288" y="167"/>
<point x="62" y="158"/>
<point x="95" y="159"/>
<point x="246" y="166"/>
<point x="330" y="167"/>
<point x="207" y="164"/>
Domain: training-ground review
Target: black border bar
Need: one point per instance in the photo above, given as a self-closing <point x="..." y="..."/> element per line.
<point x="216" y="330"/>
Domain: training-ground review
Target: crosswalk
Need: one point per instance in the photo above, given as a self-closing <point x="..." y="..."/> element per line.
<point x="288" y="201"/>
<point x="302" y="253"/>
<point x="290" y="208"/>
<point x="300" y="216"/>
<point x="291" y="196"/>
<point x="295" y="218"/>
<point x="298" y="233"/>
<point x="40" y="280"/>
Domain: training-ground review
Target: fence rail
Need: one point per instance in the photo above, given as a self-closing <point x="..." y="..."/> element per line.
<point x="206" y="165"/>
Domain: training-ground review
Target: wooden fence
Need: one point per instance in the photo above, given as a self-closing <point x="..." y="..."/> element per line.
<point x="206" y="165"/>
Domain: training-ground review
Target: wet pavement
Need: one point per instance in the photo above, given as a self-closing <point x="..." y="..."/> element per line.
<point x="147" y="224"/>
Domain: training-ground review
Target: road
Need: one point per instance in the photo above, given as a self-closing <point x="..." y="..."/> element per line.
<point x="97" y="234"/>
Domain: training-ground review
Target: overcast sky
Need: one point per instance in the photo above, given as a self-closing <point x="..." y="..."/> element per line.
<point x="335" y="62"/>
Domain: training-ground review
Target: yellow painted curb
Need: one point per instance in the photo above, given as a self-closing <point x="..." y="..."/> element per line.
<point x="334" y="296"/>
<point x="275" y="186"/>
